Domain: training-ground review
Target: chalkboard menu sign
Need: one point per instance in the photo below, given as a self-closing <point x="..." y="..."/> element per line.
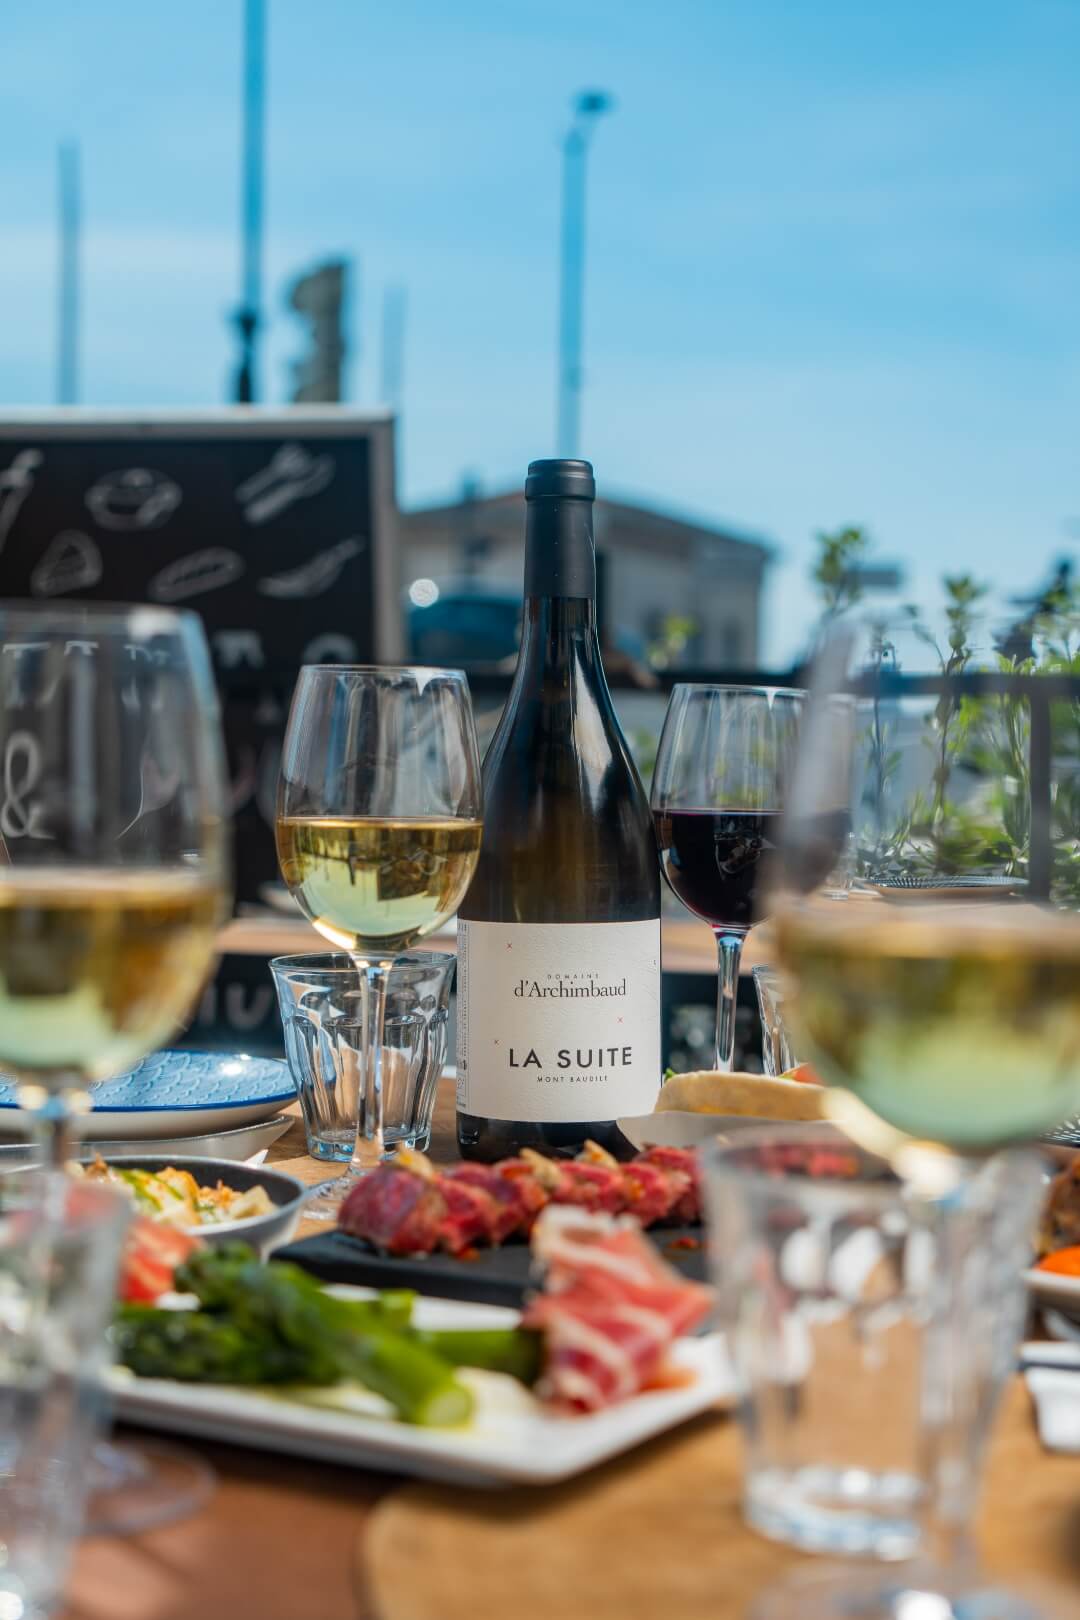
<point x="276" y="527"/>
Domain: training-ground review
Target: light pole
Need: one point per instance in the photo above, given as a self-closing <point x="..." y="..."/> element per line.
<point x="589" y="105"/>
<point x="67" y="357"/>
<point x="248" y="318"/>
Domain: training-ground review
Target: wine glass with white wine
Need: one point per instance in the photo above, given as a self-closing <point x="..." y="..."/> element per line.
<point x="113" y="862"/>
<point x="378" y="833"/>
<point x="114" y="879"/>
<point x="940" y="1003"/>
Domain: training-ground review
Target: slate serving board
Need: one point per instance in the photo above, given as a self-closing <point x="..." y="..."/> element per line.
<point x="494" y="1277"/>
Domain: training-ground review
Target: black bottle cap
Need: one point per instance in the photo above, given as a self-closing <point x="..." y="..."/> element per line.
<point x="560" y="480"/>
<point x="559" y="559"/>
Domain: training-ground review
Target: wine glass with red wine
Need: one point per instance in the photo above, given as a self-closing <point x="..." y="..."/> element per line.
<point x="723" y="762"/>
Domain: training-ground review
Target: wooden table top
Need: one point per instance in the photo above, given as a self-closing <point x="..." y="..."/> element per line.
<point x="283" y="1539"/>
<point x="686" y="946"/>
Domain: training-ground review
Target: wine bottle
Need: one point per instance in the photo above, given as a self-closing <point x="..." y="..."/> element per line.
<point x="559" y="933"/>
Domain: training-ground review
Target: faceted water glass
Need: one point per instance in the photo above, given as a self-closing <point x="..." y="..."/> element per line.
<point x="319" y="995"/>
<point x="864" y="1420"/>
<point x="59" y="1249"/>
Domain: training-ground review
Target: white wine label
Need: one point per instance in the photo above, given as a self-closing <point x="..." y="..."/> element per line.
<point x="558" y="1021"/>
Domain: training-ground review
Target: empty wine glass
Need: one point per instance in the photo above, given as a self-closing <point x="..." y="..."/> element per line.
<point x="718" y="790"/>
<point x="378" y="829"/>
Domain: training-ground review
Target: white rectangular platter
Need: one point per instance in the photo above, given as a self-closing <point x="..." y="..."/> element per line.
<point x="511" y="1440"/>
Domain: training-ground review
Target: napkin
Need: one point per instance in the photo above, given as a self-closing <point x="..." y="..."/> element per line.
<point x="1051" y="1377"/>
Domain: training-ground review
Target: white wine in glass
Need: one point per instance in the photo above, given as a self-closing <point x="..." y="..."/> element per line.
<point x="114" y="865"/>
<point x="378" y="834"/>
<point x="940" y="1003"/>
<point x="372" y="885"/>
<point x="98" y="968"/>
<point x="954" y="1023"/>
<point x="114" y="879"/>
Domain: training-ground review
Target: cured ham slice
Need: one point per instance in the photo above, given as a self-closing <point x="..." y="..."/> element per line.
<point x="610" y="1310"/>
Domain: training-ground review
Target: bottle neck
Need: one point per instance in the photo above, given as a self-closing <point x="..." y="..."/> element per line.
<point x="560" y="561"/>
<point x="558" y="632"/>
<point x="558" y="638"/>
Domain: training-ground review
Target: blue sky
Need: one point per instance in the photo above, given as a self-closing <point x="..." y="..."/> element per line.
<point x="834" y="249"/>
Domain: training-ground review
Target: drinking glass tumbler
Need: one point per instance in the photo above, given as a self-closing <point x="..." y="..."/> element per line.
<point x="830" y="1276"/>
<point x="778" y="1053"/>
<point x="320" y="1002"/>
<point x="59" y="1249"/>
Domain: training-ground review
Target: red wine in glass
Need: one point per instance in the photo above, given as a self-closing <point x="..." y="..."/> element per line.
<point x="722" y="768"/>
<point x="715" y="860"/>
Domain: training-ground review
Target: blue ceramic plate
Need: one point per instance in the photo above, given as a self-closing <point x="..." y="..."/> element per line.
<point x="183" y="1094"/>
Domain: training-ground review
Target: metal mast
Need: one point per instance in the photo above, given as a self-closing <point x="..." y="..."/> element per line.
<point x="589" y="105"/>
<point x="67" y="338"/>
<point x="248" y="318"/>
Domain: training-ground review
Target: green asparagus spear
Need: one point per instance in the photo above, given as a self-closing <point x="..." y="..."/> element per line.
<point x="515" y="1351"/>
<point x="274" y="1324"/>
<point x="199" y="1348"/>
<point x="419" y="1384"/>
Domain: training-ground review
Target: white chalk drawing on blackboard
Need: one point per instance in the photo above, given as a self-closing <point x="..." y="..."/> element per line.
<point x="196" y="574"/>
<point x="330" y="648"/>
<point x="267" y="780"/>
<point x="70" y="562"/>
<point x="16" y="482"/>
<point x="291" y="474"/>
<point x="133" y="499"/>
<point x="242" y="782"/>
<point x="246" y="1009"/>
<point x="314" y="577"/>
<point x="235" y="648"/>
<point x="20" y="817"/>
<point x="158" y="787"/>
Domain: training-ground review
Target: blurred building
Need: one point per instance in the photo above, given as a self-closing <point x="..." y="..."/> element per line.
<point x="464" y="563"/>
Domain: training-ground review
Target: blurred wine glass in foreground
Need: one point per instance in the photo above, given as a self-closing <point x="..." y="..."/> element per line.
<point x="113" y="883"/>
<point x="114" y="868"/>
<point x="378" y="831"/>
<point x="942" y="1000"/>
<point x="722" y="766"/>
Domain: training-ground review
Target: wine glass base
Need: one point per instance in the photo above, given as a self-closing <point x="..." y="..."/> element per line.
<point x="137" y="1488"/>
<point x="904" y="1592"/>
<point x="327" y="1197"/>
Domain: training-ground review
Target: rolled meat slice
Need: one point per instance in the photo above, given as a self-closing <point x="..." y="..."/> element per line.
<point x="472" y="1215"/>
<point x="649" y="1192"/>
<point x="395" y="1210"/>
<point x="678" y="1162"/>
<point x="522" y="1174"/>
<point x="579" y="1183"/>
<point x="511" y="1209"/>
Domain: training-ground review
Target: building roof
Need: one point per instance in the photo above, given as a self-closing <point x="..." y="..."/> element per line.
<point x="621" y="524"/>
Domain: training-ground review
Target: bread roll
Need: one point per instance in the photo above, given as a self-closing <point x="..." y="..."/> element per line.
<point x="753" y="1096"/>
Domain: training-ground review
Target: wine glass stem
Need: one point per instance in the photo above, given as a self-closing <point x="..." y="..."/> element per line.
<point x="369" y="1137"/>
<point x="52" y="1120"/>
<point x="955" y="1408"/>
<point x="729" y="947"/>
